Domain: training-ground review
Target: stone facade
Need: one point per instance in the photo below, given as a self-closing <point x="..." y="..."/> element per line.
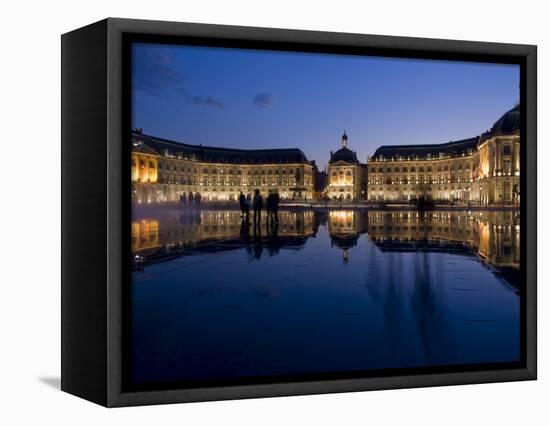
<point x="164" y="170"/>
<point x="483" y="170"/>
<point x="347" y="176"/>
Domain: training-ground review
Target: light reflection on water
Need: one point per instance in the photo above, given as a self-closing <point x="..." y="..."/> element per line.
<point x="322" y="292"/>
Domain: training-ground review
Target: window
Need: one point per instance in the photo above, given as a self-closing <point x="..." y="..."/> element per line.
<point x="506" y="191"/>
<point x="506" y="150"/>
<point x="507" y="167"/>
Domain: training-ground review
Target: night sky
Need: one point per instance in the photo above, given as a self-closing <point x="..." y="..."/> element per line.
<point x="260" y="99"/>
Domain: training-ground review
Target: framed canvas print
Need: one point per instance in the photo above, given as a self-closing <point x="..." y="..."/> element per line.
<point x="251" y="212"/>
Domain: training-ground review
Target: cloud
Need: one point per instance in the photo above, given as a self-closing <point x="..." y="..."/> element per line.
<point x="153" y="73"/>
<point x="263" y="100"/>
<point x="207" y="101"/>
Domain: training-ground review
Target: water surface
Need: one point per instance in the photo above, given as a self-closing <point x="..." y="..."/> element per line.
<point x="213" y="297"/>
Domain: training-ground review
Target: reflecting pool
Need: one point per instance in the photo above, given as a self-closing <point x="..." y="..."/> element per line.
<point x="324" y="291"/>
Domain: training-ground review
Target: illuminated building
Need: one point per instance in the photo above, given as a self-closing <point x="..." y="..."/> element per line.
<point x="484" y="169"/>
<point x="163" y="170"/>
<point x="497" y="163"/>
<point x="347" y="177"/>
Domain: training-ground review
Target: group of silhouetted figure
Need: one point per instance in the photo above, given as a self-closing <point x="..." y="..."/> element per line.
<point x="191" y="200"/>
<point x="257" y="204"/>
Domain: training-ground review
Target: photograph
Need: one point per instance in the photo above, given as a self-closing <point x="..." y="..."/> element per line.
<point x="308" y="215"/>
<point x="275" y="213"/>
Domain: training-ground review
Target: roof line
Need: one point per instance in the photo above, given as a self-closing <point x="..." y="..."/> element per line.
<point x="207" y="147"/>
<point x="430" y="146"/>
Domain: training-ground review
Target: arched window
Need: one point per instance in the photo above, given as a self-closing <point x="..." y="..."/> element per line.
<point x="349" y="178"/>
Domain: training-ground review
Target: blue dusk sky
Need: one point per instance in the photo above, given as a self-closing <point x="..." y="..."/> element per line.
<point x="262" y="99"/>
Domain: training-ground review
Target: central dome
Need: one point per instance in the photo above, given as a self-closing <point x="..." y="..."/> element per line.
<point x="344" y="154"/>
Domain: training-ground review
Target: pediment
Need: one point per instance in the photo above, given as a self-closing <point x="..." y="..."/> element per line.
<point x="144" y="149"/>
<point x="342" y="163"/>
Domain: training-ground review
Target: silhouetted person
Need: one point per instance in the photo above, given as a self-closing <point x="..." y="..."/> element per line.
<point x="269" y="207"/>
<point x="198" y="199"/>
<point x="273" y="207"/>
<point x="242" y="202"/>
<point x="275" y="210"/>
<point x="247" y="205"/>
<point x="257" y="204"/>
<point x="190" y="198"/>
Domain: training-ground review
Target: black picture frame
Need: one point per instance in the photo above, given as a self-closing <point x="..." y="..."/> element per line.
<point x="96" y="207"/>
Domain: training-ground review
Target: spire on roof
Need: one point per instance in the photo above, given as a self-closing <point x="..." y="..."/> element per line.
<point x="344" y="140"/>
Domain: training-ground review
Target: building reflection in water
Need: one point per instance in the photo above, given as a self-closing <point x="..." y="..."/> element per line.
<point x="368" y="289"/>
<point x="169" y="235"/>
<point x="493" y="235"/>
<point x="345" y="227"/>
